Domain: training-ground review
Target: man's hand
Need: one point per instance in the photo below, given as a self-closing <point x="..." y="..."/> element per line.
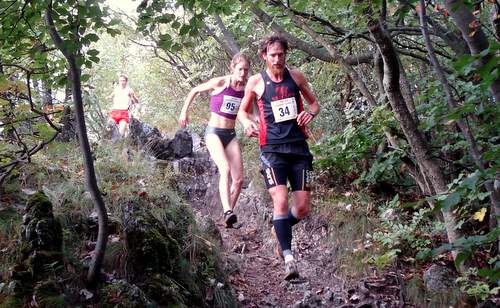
<point x="304" y="118"/>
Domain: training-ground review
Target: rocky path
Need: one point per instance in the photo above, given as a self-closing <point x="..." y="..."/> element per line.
<point x="256" y="273"/>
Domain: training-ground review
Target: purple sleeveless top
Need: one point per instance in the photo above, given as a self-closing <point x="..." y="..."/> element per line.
<point x="226" y="103"/>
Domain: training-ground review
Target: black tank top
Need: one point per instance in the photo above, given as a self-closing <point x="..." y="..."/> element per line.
<point x="279" y="106"/>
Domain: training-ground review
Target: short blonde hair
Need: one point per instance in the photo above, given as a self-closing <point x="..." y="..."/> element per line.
<point x="239" y="57"/>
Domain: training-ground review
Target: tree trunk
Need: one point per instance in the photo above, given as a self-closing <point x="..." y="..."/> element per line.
<point x="461" y="122"/>
<point x="229" y="40"/>
<point x="419" y="146"/>
<point x="495" y="19"/>
<point x="46" y="91"/>
<point x="455" y="42"/>
<point x="88" y="163"/>
<point x="473" y="35"/>
<point x="407" y="92"/>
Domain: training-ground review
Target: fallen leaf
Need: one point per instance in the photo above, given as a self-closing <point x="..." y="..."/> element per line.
<point x="479" y="215"/>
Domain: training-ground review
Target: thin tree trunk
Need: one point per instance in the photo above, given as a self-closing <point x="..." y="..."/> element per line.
<point x="407" y="92"/>
<point x="419" y="146"/>
<point x="228" y="37"/>
<point x="495" y="19"/>
<point x="461" y="122"/>
<point x="46" y="91"/>
<point x="88" y="162"/>
<point x="473" y="35"/>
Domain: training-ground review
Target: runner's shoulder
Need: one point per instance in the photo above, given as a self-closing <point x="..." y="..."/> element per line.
<point x="254" y="80"/>
<point x="218" y="81"/>
<point x="297" y="75"/>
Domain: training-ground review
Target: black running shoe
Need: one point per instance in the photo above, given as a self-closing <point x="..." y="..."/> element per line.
<point x="230" y="218"/>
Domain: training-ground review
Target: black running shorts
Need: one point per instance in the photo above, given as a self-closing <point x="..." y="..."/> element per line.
<point x="277" y="168"/>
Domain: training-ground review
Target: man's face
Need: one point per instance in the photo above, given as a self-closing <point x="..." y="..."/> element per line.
<point x="122" y="81"/>
<point x="275" y="57"/>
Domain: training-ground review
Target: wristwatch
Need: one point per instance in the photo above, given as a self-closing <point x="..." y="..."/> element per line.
<point x="312" y="113"/>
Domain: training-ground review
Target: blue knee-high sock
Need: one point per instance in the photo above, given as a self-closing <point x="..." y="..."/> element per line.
<point x="291" y="218"/>
<point x="283" y="231"/>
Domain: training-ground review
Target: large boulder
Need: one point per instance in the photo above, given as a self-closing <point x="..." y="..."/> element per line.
<point x="197" y="179"/>
<point x="41" y="235"/>
<point x="154" y="143"/>
<point x="155" y="260"/>
<point x="439" y="278"/>
<point x="40" y="257"/>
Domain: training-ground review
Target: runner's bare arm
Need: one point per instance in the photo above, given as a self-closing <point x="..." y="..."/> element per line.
<point x="306" y="116"/>
<point x="110" y="96"/>
<point x="133" y="97"/>
<point x="204" y="87"/>
<point x="244" y="113"/>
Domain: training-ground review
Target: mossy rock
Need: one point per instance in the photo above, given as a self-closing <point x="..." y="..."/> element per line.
<point x="39" y="206"/>
<point x="150" y="251"/>
<point x="44" y="262"/>
<point x="164" y="291"/>
<point x="120" y="293"/>
<point x="12" y="302"/>
<point x="47" y="294"/>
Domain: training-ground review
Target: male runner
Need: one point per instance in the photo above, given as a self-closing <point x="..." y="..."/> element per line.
<point x="123" y="97"/>
<point x="282" y="136"/>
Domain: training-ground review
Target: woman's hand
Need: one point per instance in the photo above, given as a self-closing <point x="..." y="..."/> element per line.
<point x="183" y="120"/>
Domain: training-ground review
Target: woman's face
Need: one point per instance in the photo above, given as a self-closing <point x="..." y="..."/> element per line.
<point x="240" y="71"/>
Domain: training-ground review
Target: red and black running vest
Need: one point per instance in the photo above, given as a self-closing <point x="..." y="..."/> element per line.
<point x="279" y="106"/>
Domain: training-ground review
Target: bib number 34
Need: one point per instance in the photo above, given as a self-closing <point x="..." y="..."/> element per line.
<point x="284" y="109"/>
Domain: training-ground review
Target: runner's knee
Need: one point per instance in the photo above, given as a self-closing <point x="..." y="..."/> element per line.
<point x="280" y="204"/>
<point x="302" y="211"/>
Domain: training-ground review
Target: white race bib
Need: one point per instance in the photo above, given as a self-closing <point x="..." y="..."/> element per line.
<point x="284" y="109"/>
<point x="230" y="104"/>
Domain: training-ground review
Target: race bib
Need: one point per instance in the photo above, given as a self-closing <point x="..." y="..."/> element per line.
<point x="284" y="109"/>
<point x="230" y="104"/>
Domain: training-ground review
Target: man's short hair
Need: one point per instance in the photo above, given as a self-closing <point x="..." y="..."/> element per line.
<point x="270" y="40"/>
<point x="124" y="76"/>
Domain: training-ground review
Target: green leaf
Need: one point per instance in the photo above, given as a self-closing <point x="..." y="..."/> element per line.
<point x="176" y="25"/>
<point x="93" y="52"/>
<point x="92" y="37"/>
<point x="85" y="77"/>
<point x="461" y="256"/>
<point x="451" y="200"/>
<point x="184" y="29"/>
<point x="492" y="274"/>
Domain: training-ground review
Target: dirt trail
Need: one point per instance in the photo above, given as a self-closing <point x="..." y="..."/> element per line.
<point x="256" y="273"/>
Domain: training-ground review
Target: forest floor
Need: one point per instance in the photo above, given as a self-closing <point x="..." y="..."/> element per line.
<point x="256" y="273"/>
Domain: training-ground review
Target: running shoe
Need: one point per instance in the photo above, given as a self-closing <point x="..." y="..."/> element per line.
<point x="230" y="218"/>
<point x="291" y="271"/>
